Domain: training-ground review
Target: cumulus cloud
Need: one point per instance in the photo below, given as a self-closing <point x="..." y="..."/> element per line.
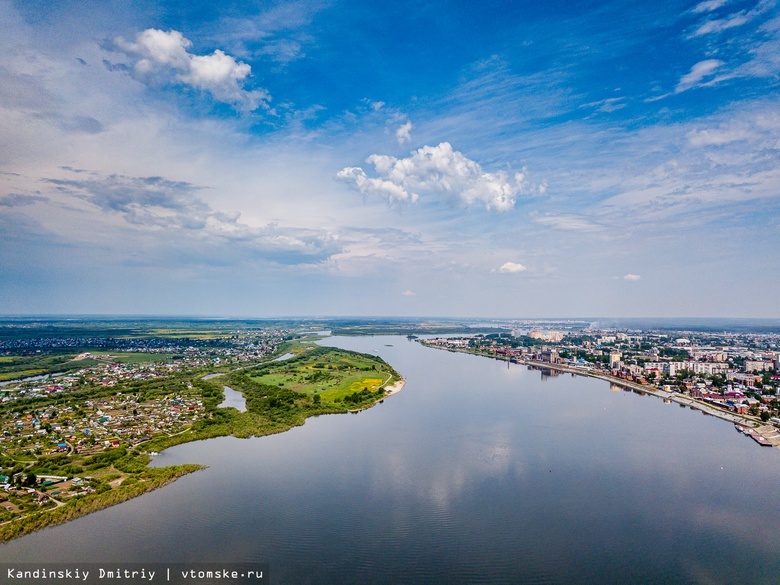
<point x="697" y="73"/>
<point x="438" y="170"/>
<point x="159" y="52"/>
<point x="511" y="268"/>
<point x="408" y="293"/>
<point x="376" y="187"/>
<point x="631" y="277"/>
<point x="404" y="133"/>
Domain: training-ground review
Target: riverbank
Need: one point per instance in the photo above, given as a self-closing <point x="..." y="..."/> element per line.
<point x="395" y="388"/>
<point x="390" y="389"/>
<point x="768" y="432"/>
<point x="84" y="505"/>
<point x="120" y="472"/>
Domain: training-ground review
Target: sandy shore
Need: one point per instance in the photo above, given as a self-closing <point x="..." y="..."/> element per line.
<point x="395" y="388"/>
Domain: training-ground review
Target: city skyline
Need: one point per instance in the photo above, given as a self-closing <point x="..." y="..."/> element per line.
<point x="337" y="158"/>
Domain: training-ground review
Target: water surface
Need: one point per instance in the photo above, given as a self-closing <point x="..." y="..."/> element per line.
<point x="476" y="472"/>
<point x="233" y="399"/>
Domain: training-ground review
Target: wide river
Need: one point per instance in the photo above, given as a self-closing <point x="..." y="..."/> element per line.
<point x="476" y="472"/>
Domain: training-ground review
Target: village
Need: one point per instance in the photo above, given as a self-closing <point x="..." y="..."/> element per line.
<point x="60" y="434"/>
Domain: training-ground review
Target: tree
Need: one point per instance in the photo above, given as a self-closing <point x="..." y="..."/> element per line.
<point x="718" y="380"/>
<point x="765" y="416"/>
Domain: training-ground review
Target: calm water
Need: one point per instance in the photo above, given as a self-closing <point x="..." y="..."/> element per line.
<point x="233" y="399"/>
<point x="475" y="473"/>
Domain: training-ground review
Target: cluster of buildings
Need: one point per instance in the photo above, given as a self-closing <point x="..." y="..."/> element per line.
<point x="79" y="431"/>
<point x="53" y="442"/>
<point x="737" y="372"/>
<point x="110" y="370"/>
<point x="95" y="425"/>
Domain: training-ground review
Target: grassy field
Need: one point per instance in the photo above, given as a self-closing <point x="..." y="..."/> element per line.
<point x="331" y="375"/>
<point x="24" y="366"/>
<point x="14" y="374"/>
<point x="190" y="334"/>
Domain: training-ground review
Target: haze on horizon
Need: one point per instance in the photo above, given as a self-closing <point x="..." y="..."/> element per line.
<point x="337" y="157"/>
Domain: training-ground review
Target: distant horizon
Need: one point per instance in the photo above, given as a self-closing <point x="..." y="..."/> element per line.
<point x="607" y="322"/>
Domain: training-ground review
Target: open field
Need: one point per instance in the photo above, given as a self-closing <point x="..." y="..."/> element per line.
<point x="190" y="334"/>
<point x="89" y="329"/>
<point x="13" y="374"/>
<point x="34" y="364"/>
<point x="24" y="366"/>
<point x="332" y="375"/>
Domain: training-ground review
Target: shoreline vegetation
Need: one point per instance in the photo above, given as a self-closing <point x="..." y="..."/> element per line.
<point x="279" y="395"/>
<point x="754" y="424"/>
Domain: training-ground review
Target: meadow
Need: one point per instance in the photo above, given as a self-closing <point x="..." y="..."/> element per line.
<point x="333" y="375"/>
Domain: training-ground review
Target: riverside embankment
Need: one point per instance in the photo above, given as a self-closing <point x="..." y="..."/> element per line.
<point x="768" y="432"/>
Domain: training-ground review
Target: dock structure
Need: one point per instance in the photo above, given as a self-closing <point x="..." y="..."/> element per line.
<point x="770" y="433"/>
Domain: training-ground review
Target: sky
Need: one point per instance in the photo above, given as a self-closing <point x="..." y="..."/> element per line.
<point x="343" y="157"/>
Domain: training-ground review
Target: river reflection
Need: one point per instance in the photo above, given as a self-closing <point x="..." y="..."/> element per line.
<point x="476" y="472"/>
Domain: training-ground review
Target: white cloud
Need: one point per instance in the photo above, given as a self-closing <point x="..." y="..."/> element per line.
<point x="765" y="56"/>
<point x="511" y="268"/>
<point x="718" y="136"/>
<point x="157" y="47"/>
<point x="567" y="222"/>
<point x="408" y="293"/>
<point x="403" y="134"/>
<point x="380" y="187"/>
<point x="735" y="19"/>
<point x="721" y="24"/>
<point x="607" y="105"/>
<point x="632" y="277"/>
<point x="220" y="74"/>
<point x="698" y="72"/>
<point x="438" y="170"/>
<point x="709" y="6"/>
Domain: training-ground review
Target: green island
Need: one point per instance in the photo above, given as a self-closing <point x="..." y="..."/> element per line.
<point x="82" y="441"/>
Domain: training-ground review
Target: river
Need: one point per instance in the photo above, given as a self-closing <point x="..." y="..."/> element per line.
<point x="476" y="472"/>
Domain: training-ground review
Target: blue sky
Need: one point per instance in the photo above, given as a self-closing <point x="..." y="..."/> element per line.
<point x="357" y="158"/>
